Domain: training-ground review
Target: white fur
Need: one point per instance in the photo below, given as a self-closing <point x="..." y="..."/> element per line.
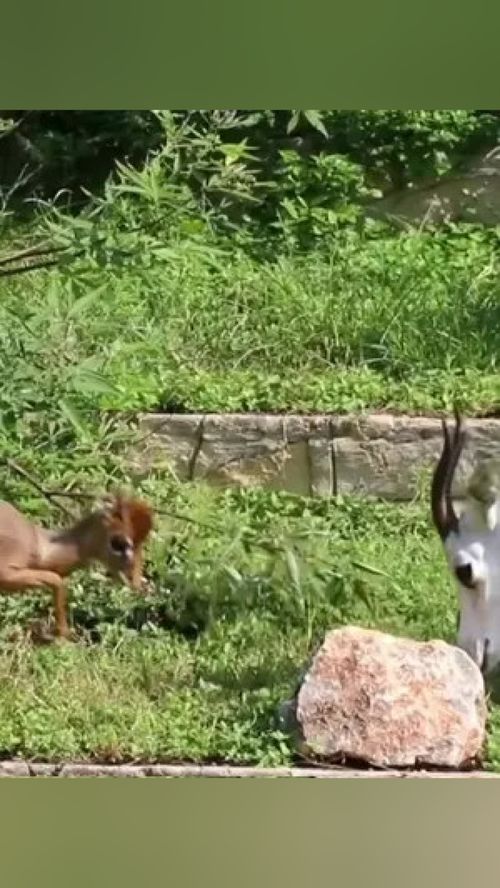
<point x="477" y="544"/>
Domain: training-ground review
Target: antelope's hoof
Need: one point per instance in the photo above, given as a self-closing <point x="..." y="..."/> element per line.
<point x="68" y="637"/>
<point x="39" y="633"/>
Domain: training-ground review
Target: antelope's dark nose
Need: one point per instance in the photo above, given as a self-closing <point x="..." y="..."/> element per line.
<point x="463" y="573"/>
<point x="119" y="544"/>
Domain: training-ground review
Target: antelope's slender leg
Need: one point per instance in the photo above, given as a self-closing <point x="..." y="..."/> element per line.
<point x="14" y="579"/>
<point x="136" y="574"/>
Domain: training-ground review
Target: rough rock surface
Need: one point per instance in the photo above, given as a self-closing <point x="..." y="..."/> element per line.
<point x="385" y="455"/>
<point x="390" y="702"/>
<point x="376" y="454"/>
<point x="470" y="196"/>
<point x="256" y="450"/>
<point x="169" y="442"/>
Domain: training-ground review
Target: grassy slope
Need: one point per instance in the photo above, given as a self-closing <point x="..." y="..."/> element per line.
<point x="410" y="323"/>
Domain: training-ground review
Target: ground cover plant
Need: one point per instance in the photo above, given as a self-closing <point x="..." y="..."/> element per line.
<point x="213" y="272"/>
<point x="238" y="601"/>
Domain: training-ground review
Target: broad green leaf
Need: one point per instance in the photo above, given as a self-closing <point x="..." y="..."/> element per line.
<point x="88" y="382"/>
<point x="368" y="568"/>
<point x="73" y="415"/>
<point x="233" y="573"/>
<point x="84" y="302"/>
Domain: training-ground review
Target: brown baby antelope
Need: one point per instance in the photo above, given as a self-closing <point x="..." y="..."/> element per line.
<point x="32" y="556"/>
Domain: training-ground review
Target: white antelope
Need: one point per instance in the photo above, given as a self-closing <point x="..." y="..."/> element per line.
<point x="471" y="543"/>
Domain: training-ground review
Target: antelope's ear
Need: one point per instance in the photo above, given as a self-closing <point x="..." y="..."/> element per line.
<point x="141" y="520"/>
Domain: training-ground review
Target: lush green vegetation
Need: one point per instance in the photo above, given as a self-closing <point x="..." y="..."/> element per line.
<point x="197" y="670"/>
<point x="407" y="323"/>
<point x="238" y="275"/>
<point x="227" y="266"/>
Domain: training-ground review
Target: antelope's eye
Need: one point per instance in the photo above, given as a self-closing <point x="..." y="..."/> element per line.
<point x="119" y="544"/>
<point x="464" y="575"/>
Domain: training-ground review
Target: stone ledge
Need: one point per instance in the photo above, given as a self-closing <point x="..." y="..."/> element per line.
<point x="78" y="769"/>
<point x="377" y="454"/>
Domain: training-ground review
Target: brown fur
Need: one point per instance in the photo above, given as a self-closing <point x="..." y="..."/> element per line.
<point x="134" y="518"/>
<point x="32" y="556"/>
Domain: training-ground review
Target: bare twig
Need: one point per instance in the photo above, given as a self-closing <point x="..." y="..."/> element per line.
<point x="48" y="494"/>
<point x="45" y="250"/>
<point x="29" y="252"/>
<point x="7" y="272"/>
<point x="52" y="495"/>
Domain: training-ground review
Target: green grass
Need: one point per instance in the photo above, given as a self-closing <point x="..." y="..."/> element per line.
<point x="404" y="323"/>
<point x="197" y="672"/>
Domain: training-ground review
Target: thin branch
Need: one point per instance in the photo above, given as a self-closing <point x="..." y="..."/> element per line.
<point x="77" y="495"/>
<point x="69" y="494"/>
<point x="29" y="252"/>
<point x="51" y="495"/>
<point x="23" y="268"/>
<point x="48" y="494"/>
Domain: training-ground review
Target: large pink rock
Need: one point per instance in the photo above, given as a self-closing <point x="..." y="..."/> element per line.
<point x="391" y="702"/>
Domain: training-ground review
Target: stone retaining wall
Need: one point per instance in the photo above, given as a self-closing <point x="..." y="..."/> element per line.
<point x="378" y="454"/>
